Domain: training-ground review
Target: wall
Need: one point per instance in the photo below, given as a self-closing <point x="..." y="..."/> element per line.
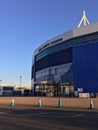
<point x="85" y="61"/>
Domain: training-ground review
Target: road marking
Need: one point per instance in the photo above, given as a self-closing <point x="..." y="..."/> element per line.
<point x="2" y="112"/>
<point x="91" y="116"/>
<point x="78" y="115"/>
<point x="52" y="114"/>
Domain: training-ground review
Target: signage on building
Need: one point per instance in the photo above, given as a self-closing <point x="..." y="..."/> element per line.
<point x="50" y="43"/>
<point x="80" y="89"/>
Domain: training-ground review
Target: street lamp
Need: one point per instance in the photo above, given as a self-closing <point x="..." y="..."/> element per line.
<point x="59" y="99"/>
<point x="20" y="81"/>
<point x="1" y="89"/>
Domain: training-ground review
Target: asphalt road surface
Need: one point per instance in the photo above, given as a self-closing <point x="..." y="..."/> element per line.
<point x="47" y="119"/>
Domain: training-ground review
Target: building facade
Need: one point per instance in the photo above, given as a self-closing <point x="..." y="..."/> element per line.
<point x="6" y="90"/>
<point x="67" y="63"/>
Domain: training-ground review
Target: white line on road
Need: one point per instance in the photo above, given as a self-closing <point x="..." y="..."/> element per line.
<point x="78" y="115"/>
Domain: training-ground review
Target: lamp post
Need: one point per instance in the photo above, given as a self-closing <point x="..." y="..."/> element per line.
<point x="20" y="82"/>
<point x="0" y="84"/>
<point x="1" y="89"/>
<point x="59" y="99"/>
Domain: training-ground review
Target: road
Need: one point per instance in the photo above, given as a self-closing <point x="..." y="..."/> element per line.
<point x="47" y="119"/>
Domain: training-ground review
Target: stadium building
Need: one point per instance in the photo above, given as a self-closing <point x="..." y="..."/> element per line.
<point x="67" y="63"/>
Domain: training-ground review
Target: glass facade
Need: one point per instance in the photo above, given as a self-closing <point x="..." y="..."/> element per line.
<point x="56" y="73"/>
<point x="54" y="59"/>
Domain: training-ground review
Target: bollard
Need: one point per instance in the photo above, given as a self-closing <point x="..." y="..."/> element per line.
<point x="91" y="104"/>
<point x="39" y="102"/>
<point x="59" y="103"/>
<point x="12" y="102"/>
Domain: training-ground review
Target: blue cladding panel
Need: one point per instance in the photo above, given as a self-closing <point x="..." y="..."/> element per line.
<point x="85" y="61"/>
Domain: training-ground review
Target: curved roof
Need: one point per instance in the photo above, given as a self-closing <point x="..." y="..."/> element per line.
<point x="91" y="28"/>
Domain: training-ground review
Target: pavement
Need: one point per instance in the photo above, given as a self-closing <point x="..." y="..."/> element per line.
<point x="27" y="115"/>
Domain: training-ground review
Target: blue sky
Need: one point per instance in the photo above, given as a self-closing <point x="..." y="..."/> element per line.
<point x="26" y="24"/>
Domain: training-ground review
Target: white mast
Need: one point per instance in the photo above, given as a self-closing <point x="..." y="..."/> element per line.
<point x="83" y="20"/>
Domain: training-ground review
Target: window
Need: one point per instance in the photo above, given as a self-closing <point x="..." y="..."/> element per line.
<point x="55" y="71"/>
<point x="49" y="71"/>
<point x="58" y="58"/>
